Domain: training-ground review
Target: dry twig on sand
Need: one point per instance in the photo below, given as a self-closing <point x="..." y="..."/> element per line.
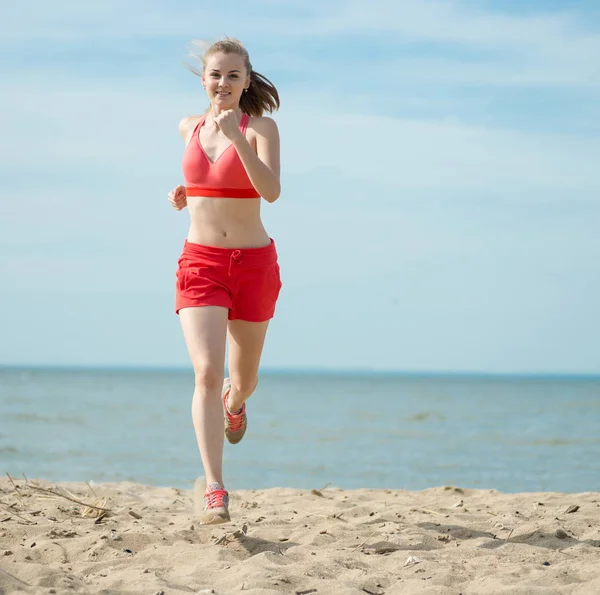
<point x="96" y="509"/>
<point x="18" y="516"/>
<point x="13" y="577"/>
<point x="429" y="511"/>
<point x="52" y="493"/>
<point x="14" y="485"/>
<point x="365" y="541"/>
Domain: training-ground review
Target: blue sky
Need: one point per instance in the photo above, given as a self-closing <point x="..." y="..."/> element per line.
<point x="441" y="201"/>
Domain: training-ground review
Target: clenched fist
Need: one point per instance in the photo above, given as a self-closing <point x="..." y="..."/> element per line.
<point x="228" y="124"/>
<point x="178" y="198"/>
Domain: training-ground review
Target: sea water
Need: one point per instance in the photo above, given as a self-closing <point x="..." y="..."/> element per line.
<point x="308" y="429"/>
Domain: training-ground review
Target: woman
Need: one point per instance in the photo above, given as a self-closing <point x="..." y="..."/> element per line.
<point x="228" y="276"/>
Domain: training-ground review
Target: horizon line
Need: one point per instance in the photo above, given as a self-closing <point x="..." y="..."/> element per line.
<point x="307" y="370"/>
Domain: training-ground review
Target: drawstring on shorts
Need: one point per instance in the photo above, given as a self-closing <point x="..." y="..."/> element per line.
<point x="235" y="258"/>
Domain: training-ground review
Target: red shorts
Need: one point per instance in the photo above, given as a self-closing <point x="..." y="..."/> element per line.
<point x="244" y="281"/>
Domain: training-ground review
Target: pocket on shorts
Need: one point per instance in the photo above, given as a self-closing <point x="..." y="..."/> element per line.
<point x="193" y="277"/>
<point x="277" y="284"/>
<point x="181" y="275"/>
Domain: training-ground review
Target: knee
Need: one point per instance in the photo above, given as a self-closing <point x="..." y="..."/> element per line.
<point x="208" y="378"/>
<point x="243" y="386"/>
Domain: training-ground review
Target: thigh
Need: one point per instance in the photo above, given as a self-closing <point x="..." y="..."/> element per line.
<point x="246" y="341"/>
<point x="205" y="331"/>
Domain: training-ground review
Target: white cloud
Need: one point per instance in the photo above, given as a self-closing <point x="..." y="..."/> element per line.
<point x="462" y="22"/>
<point x="547" y="48"/>
<point x="457" y="21"/>
<point x="443" y="158"/>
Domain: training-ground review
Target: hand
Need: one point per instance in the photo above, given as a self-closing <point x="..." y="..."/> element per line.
<point x="228" y="123"/>
<point x="178" y="198"/>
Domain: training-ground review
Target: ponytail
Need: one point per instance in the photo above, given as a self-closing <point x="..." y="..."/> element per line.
<point x="261" y="96"/>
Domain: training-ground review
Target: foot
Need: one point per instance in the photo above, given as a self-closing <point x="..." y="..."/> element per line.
<point x="235" y="423"/>
<point x="216" y="505"/>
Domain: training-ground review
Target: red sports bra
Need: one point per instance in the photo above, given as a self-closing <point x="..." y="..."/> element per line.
<point x="226" y="177"/>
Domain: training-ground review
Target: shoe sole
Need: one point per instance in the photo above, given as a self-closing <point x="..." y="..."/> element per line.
<point x="215" y="518"/>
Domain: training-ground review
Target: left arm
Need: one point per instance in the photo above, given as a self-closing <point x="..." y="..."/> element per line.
<point x="263" y="165"/>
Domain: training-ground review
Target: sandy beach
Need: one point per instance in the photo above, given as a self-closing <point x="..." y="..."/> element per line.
<point x="130" y="538"/>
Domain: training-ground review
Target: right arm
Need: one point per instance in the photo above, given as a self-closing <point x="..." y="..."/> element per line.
<point x="177" y="196"/>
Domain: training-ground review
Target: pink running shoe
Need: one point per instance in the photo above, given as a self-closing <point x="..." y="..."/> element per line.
<point x="235" y="423"/>
<point x="215" y="509"/>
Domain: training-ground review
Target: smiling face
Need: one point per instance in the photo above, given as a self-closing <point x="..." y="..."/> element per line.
<point x="224" y="78"/>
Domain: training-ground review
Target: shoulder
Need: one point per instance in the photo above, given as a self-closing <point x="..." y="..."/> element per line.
<point x="263" y="125"/>
<point x="264" y="128"/>
<point x="187" y="125"/>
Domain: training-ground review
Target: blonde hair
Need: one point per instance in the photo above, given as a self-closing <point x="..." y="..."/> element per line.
<point x="261" y="96"/>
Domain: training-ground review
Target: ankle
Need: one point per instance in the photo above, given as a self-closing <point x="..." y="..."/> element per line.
<point x="234" y="410"/>
<point x="236" y="398"/>
<point x="235" y="402"/>
<point x="210" y="482"/>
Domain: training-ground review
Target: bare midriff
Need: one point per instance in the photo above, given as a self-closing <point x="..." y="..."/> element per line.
<point x="226" y="222"/>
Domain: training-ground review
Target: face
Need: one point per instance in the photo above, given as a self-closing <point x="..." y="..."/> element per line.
<point x="224" y="79"/>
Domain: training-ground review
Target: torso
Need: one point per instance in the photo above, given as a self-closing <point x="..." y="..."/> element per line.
<point x="223" y="222"/>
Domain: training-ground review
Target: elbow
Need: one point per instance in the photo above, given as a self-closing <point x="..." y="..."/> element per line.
<point x="273" y="194"/>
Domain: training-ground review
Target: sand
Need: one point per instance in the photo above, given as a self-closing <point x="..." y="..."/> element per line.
<point x="440" y="540"/>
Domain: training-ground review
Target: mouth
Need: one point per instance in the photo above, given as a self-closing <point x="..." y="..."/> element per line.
<point x="222" y="95"/>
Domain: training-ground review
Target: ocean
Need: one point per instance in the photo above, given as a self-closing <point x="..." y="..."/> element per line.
<point x="307" y="430"/>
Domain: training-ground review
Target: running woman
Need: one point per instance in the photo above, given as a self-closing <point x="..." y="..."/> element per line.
<point x="228" y="277"/>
